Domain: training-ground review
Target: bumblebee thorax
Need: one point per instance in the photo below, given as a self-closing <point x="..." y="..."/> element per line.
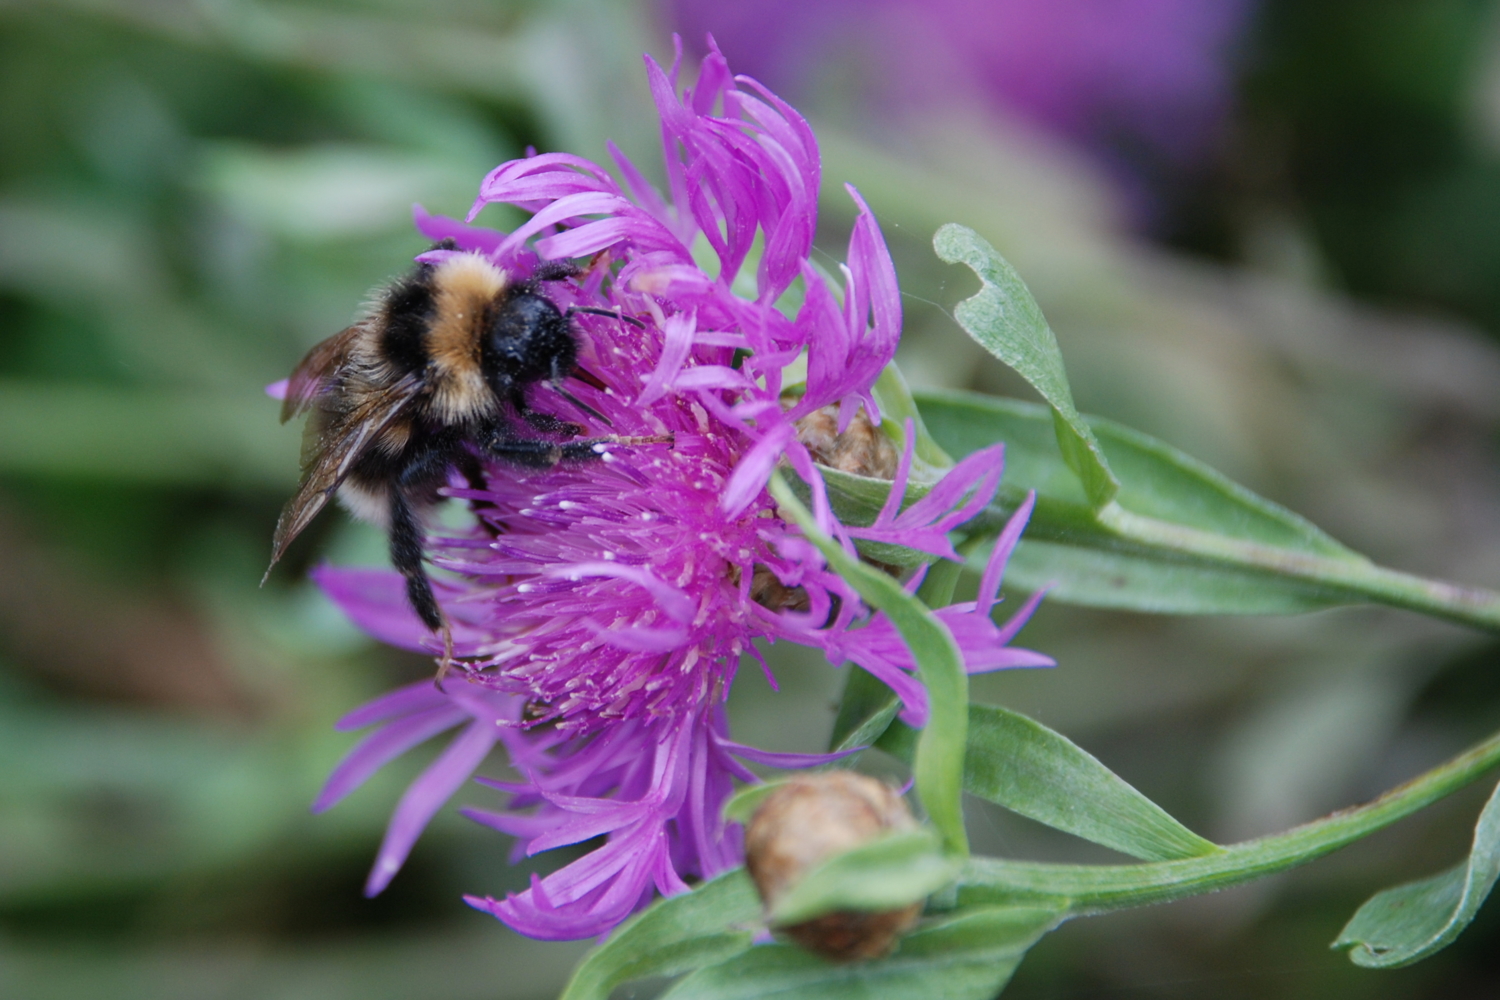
<point x="466" y="292"/>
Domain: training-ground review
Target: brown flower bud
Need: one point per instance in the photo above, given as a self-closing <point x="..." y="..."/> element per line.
<point x="862" y="449"/>
<point x="808" y="820"/>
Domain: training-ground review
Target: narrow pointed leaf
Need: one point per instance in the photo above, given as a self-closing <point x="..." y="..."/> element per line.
<point x="1088" y="889"/>
<point x="1005" y="319"/>
<point x="1022" y="765"/>
<point x="710" y="924"/>
<point x="969" y="956"/>
<point x="1180" y="538"/>
<point x="1156" y="480"/>
<point x="866" y="710"/>
<point x="868" y="707"/>
<point x="939" y="756"/>
<point x="898" y="405"/>
<point x="1410" y="922"/>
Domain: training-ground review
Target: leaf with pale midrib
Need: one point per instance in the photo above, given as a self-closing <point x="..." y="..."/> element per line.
<point x="1017" y="762"/>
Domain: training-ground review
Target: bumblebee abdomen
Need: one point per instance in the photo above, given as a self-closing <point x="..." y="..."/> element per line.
<point x="367" y="501"/>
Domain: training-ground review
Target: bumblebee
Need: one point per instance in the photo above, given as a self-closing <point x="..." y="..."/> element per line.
<point x="432" y="381"/>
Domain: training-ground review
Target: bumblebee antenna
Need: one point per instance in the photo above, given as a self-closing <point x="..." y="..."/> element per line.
<point x="605" y="312"/>
<point x="565" y="394"/>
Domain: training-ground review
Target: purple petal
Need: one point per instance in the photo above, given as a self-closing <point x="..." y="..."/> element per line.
<point x="375" y="600"/>
<point x="870" y="263"/>
<point x="678" y="605"/>
<point x="425" y="796"/>
<point x="1005" y="544"/>
<point x="1007" y="658"/>
<point x="418" y="697"/>
<point x="587" y="826"/>
<point x="754" y="470"/>
<point x="641" y="638"/>
<point x="515" y="824"/>
<point x="677" y="342"/>
<point x="771" y="758"/>
<point x="897" y="491"/>
<point x="1008" y="631"/>
<point x="641" y="190"/>
<point x="439" y="227"/>
<point x="710" y="377"/>
<point x="380" y="748"/>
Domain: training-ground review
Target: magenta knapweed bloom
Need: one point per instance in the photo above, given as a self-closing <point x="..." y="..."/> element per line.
<point x="601" y="608"/>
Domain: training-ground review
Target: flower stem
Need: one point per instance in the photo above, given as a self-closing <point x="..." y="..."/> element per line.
<point x="1085" y="889"/>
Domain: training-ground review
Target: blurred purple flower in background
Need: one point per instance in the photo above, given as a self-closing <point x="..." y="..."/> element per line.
<point x="602" y="608"/>
<point x="1142" y="85"/>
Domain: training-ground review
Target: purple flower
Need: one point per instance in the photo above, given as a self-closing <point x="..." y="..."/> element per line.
<point x="600" y="609"/>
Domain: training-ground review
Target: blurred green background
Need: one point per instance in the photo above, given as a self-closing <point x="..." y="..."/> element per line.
<point x="192" y="193"/>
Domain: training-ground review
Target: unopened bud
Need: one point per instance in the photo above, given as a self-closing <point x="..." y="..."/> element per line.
<point x="805" y="822"/>
<point x="862" y="449"/>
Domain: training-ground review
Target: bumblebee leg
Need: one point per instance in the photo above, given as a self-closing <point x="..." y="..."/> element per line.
<point x="533" y="454"/>
<point x="548" y="424"/>
<point x="447" y="660"/>
<point x="406" y="556"/>
<point x="473" y="473"/>
<point x="526" y="453"/>
<point x="552" y="270"/>
<point x="544" y="422"/>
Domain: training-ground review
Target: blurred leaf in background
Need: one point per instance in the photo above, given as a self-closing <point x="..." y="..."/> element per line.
<point x="1285" y="270"/>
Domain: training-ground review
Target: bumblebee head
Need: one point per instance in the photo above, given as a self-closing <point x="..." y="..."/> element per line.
<point x="526" y="339"/>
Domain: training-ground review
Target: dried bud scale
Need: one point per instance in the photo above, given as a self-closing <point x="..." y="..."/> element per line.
<point x="804" y="823"/>
<point x="862" y="449"/>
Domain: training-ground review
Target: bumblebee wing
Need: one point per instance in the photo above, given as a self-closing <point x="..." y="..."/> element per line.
<point x="335" y="440"/>
<point x="317" y="372"/>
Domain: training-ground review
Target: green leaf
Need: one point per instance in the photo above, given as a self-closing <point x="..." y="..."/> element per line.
<point x="885" y="874"/>
<point x="743" y="803"/>
<point x="1086" y="889"/>
<point x="1022" y="765"/>
<point x="1180" y="538"/>
<point x="1410" y="922"/>
<point x="894" y="397"/>
<point x="710" y="924"/>
<point x="865" y="712"/>
<point x="1156" y="479"/>
<point x="1142" y="579"/>
<point x="868" y="707"/>
<point x="1005" y="319"/>
<point x="968" y="956"/>
<point x="1156" y="506"/>
<point x="857" y="500"/>
<point x="939" y="756"/>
